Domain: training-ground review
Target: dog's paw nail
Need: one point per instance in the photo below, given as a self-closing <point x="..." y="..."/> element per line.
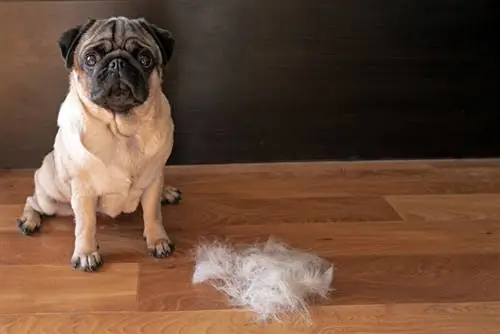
<point x="171" y="196"/>
<point x="26" y="228"/>
<point x="173" y="201"/>
<point x="75" y="263"/>
<point x="92" y="267"/>
<point x="162" y="249"/>
<point x="86" y="262"/>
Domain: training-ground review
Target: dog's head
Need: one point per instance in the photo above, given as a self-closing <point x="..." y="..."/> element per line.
<point x="114" y="60"/>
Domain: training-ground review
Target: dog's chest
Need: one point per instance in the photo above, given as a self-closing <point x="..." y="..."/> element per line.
<point x="127" y="159"/>
<point x="130" y="164"/>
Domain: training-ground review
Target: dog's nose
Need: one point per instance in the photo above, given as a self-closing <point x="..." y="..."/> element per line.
<point x="116" y="64"/>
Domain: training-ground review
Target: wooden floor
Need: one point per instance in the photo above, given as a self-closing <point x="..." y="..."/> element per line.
<point x="416" y="247"/>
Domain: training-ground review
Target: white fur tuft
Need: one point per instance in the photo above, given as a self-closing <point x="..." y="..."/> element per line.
<point x="271" y="279"/>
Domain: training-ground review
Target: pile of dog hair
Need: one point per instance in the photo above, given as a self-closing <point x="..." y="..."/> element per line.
<point x="271" y="279"/>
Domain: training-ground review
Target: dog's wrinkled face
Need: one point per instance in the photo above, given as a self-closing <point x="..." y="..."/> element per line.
<point x="114" y="59"/>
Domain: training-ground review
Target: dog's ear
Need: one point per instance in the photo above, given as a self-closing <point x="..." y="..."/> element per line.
<point x="69" y="40"/>
<point x="163" y="38"/>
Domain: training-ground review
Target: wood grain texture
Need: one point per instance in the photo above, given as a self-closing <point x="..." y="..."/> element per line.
<point x="217" y="210"/>
<point x="41" y="289"/>
<point x="402" y="279"/>
<point x="295" y="180"/>
<point x="422" y="318"/>
<point x="447" y="207"/>
<point x="281" y="80"/>
<point x="354" y="238"/>
<point x="16" y="186"/>
<point x="326" y="239"/>
<point x="359" y="280"/>
<point x="416" y="246"/>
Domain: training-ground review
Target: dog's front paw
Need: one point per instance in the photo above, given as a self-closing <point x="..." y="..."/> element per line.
<point x="86" y="261"/>
<point x="171" y="195"/>
<point x="29" y="222"/>
<point x="161" y="248"/>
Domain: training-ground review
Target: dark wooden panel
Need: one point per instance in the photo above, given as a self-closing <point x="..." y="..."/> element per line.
<point x="282" y="80"/>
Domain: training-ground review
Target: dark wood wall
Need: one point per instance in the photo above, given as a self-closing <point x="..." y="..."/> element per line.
<point x="281" y="80"/>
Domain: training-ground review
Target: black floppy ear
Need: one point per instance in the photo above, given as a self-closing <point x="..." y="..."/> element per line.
<point x="69" y="40"/>
<point x="163" y="38"/>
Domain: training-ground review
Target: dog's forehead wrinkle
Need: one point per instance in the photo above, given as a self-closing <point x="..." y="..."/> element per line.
<point x="120" y="33"/>
<point x="117" y="34"/>
<point x="123" y="30"/>
<point x="100" y="43"/>
<point x="103" y="29"/>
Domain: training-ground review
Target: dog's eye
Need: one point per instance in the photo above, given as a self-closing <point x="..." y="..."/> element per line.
<point x="145" y="60"/>
<point x="90" y="59"/>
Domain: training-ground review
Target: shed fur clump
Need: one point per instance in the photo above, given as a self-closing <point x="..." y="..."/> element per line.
<point x="271" y="279"/>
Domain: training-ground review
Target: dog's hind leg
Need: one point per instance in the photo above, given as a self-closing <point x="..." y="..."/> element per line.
<point x="36" y="206"/>
<point x="42" y="203"/>
<point x="30" y="220"/>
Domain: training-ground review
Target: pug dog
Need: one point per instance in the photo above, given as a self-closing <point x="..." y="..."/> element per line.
<point x="115" y="135"/>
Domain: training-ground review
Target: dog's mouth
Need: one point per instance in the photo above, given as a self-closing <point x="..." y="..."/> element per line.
<point x="119" y="98"/>
<point x="119" y="90"/>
